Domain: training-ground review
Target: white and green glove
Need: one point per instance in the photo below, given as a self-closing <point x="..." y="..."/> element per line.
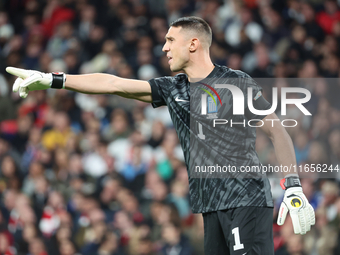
<point x="30" y="80"/>
<point x="294" y="201"/>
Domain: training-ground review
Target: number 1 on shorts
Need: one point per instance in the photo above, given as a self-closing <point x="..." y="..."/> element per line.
<point x="238" y="245"/>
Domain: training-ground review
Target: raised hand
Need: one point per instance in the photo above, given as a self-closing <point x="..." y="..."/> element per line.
<point x="29" y="80"/>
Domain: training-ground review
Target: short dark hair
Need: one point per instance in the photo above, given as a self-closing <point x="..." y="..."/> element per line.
<point x="197" y="24"/>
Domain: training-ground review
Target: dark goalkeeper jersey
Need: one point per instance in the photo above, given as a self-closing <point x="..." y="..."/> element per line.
<point x="222" y="145"/>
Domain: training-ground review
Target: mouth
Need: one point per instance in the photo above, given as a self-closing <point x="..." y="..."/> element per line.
<point x="169" y="59"/>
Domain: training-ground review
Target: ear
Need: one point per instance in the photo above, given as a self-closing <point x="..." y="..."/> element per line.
<point x="194" y="44"/>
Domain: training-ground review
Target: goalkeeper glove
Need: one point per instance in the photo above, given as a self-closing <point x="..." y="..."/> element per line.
<point x="30" y="80"/>
<point x="294" y="201"/>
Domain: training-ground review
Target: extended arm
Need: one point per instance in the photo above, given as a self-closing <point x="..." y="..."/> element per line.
<point x="109" y="84"/>
<point x="88" y="83"/>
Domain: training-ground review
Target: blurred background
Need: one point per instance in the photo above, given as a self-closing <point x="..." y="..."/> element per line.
<point x="103" y="175"/>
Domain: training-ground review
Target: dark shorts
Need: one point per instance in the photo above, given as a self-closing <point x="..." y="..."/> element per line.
<point x="239" y="231"/>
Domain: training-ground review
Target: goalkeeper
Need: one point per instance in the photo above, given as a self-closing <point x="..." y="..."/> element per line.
<point x="237" y="213"/>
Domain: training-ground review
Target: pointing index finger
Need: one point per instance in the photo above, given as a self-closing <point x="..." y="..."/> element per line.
<point x="22" y="73"/>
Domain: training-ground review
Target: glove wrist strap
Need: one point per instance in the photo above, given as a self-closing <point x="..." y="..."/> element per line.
<point x="58" y="80"/>
<point x="290" y="181"/>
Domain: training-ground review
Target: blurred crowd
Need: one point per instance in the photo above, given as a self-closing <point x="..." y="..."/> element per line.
<point x="103" y="175"/>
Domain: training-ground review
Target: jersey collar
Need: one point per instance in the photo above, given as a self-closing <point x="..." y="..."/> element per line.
<point x="211" y="75"/>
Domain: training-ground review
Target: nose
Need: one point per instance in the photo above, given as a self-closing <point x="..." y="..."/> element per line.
<point x="165" y="48"/>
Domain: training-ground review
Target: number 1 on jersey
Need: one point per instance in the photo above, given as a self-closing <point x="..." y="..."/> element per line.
<point x="238" y="245"/>
<point x="200" y="132"/>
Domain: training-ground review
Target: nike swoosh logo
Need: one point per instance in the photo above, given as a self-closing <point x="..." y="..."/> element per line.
<point x="180" y="100"/>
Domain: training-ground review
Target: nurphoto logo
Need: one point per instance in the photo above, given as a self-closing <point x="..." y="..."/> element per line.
<point x="211" y="102"/>
<point x="238" y="99"/>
